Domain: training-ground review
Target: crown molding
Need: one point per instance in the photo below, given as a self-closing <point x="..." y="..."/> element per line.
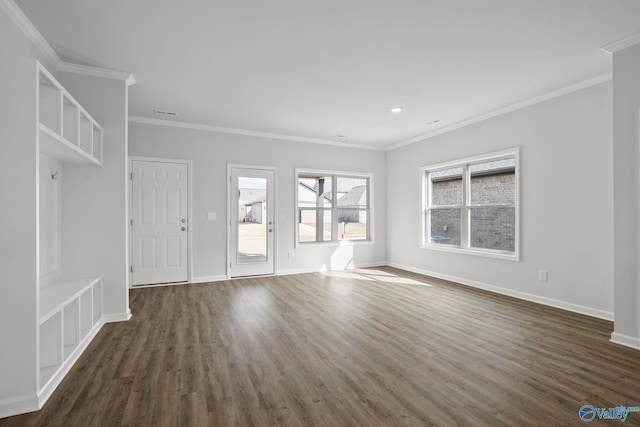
<point x="617" y="45"/>
<point x="517" y="106"/>
<point x="20" y="19"/>
<point x="210" y="128"/>
<point x="105" y="73"/>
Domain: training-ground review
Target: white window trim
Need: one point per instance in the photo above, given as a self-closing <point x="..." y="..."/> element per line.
<point x="424" y="205"/>
<point x="370" y="218"/>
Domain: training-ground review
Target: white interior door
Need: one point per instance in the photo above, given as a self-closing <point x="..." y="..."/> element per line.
<point x="251" y="224"/>
<point x="159" y="222"/>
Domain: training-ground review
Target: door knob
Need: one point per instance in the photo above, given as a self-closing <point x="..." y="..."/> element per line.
<point x="183" y="228"/>
<point x="183" y="220"/>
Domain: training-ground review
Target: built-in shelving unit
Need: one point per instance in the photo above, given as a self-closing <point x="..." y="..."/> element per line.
<point x="70" y="310"/>
<point x="70" y="306"/>
<point x="66" y="131"/>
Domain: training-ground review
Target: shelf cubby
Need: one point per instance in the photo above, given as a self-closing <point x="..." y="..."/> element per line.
<point x="70" y="121"/>
<point x="50" y="347"/>
<point x="86" y="312"/>
<point x="86" y="134"/>
<point x="97" y="302"/>
<point x="49" y="103"/>
<point x="97" y="142"/>
<point x="71" y="327"/>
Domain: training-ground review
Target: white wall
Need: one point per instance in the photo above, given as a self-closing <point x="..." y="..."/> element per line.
<point x="566" y="202"/>
<point x="626" y="137"/>
<point x="212" y="151"/>
<point x="18" y="217"/>
<point x="94" y="199"/>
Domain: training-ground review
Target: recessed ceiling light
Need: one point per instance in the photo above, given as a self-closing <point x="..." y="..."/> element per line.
<point x="166" y="113"/>
<point x="396" y="110"/>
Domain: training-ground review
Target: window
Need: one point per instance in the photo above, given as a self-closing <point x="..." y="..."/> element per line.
<point x="332" y="206"/>
<point x="472" y="205"/>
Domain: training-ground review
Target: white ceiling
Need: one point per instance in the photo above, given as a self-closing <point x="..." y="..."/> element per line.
<point x="317" y="69"/>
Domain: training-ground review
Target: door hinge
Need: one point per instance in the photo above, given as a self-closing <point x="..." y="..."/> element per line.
<point x="131" y="176"/>
<point x="229" y="265"/>
<point x="131" y="269"/>
<point x="131" y="222"/>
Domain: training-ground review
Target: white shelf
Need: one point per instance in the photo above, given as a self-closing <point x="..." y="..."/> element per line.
<point x="58" y="147"/>
<point x="58" y="294"/>
<point x="65" y="130"/>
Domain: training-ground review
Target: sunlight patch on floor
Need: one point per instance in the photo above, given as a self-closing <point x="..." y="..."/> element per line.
<point x="376" y="275"/>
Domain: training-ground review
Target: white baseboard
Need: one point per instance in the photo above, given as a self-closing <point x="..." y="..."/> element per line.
<point x="369" y="265"/>
<point x="625" y="340"/>
<point x="18" y="405"/>
<point x="593" y="312"/>
<point x="48" y="389"/>
<point x="117" y="317"/>
<point x="205" y="279"/>
<point x="325" y="268"/>
<point x="300" y="271"/>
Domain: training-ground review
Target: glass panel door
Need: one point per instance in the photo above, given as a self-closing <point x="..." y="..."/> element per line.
<point x="252" y="224"/>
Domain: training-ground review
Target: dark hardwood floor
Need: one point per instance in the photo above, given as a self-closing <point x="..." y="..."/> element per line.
<point x="372" y="347"/>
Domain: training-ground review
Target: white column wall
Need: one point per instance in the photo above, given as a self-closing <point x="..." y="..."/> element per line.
<point x="94" y="199"/>
<point x="626" y="225"/>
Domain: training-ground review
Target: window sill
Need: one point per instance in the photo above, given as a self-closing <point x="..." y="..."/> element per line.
<point x="475" y="252"/>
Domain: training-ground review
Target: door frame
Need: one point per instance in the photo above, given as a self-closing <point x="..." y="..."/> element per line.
<point x="189" y="164"/>
<point x="273" y="169"/>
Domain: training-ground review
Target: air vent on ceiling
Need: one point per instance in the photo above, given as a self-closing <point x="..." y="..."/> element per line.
<point x="166" y="113"/>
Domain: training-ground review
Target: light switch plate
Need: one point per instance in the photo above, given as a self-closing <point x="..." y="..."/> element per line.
<point x="211" y="216"/>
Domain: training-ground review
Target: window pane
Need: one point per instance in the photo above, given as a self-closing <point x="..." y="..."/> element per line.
<point x="493" y="183"/>
<point x="314" y="192"/>
<point x="493" y="228"/>
<point x="352" y="192"/>
<point x="446" y="187"/>
<point x="252" y="224"/>
<point x="352" y="224"/>
<point x="312" y="230"/>
<point x="445" y="226"/>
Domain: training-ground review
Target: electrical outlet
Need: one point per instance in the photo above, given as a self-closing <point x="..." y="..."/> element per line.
<point x="290" y="254"/>
<point x="543" y="275"/>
